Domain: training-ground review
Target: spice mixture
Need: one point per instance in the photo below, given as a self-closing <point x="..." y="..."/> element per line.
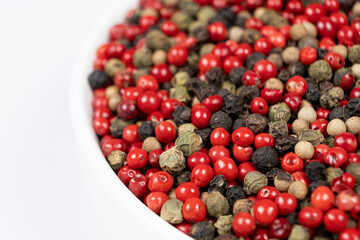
<point x="236" y="119"/>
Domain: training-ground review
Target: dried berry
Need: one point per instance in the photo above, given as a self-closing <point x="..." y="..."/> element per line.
<point x="312" y="93"/>
<point x="282" y="181"/>
<point x="272" y="174"/>
<point x="216" y="76"/>
<point x="220" y="119"/>
<point x="223" y="224"/>
<point x="248" y="93"/>
<point x="315" y="137"/>
<point x="117" y="159"/>
<point x="234" y="193"/>
<point x="181" y="115"/>
<point x="354" y="169"/>
<point x="236" y="75"/>
<point x="202" y="231"/>
<point x="117" y="127"/>
<point x="339" y="113"/>
<point x="172" y="161"/>
<point x="205" y="134"/>
<point x="278" y="129"/>
<point x="315" y="171"/>
<point x="320" y="71"/>
<point x="217" y="205"/>
<point x="218" y="183"/>
<point x="238" y="123"/>
<point x="279" y="112"/>
<point x="151" y="143"/>
<point x="318" y="183"/>
<point x="254" y="181"/>
<point x="155" y="40"/>
<point x="253" y="58"/>
<point x="193" y="85"/>
<point x="186" y="127"/>
<point x="146" y="130"/>
<point x="232" y="105"/>
<point x="298" y="189"/>
<point x="171" y="211"/>
<point x="332" y="173"/>
<point x="256" y="122"/>
<point x="188" y="143"/>
<point x="201" y="33"/>
<point x="264" y="158"/>
<point x="142" y="58"/>
<point x="354" y="54"/>
<point x="242" y="205"/>
<point x="98" y="79"/>
<point x="204" y="91"/>
<point x="354" y="106"/>
<point x="283" y="75"/>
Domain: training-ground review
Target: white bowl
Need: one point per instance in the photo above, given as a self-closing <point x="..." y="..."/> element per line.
<point x="117" y="209"/>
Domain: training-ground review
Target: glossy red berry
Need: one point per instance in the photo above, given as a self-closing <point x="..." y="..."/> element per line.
<point x="350" y="234"/>
<point x="138" y="185"/>
<point x="169" y="28"/>
<point x="148" y="102"/>
<point x="259" y="105"/>
<point x="315" y="11"/>
<point x="310" y="217"/>
<point x="251" y="78"/>
<point x="177" y="55"/>
<point x="308" y="55"/>
<point x="197" y="158"/>
<point x="217" y="31"/>
<point x="320" y="124"/>
<point x="263" y="140"/>
<point x="265" y="69"/>
<point x="162" y="73"/>
<point x="326" y="27"/>
<point x="286" y="203"/>
<point x="271" y="96"/>
<point x="292" y="163"/>
<point x="265" y="212"/>
<point x="194" y="210"/>
<point x="126" y="173"/>
<point x="230" y="63"/>
<point x="242" y="154"/>
<point x="222" y="51"/>
<point x="214" y="103"/>
<point x="268" y="192"/>
<point x="346" y="141"/>
<point x="137" y="158"/>
<point x="165" y="132"/>
<point x="127" y="110"/>
<point x="347" y="82"/>
<point x="335" y="60"/>
<point x="335" y="220"/>
<point x="218" y="151"/>
<point x="101" y="126"/>
<point x="243" y="51"/>
<point x="169" y="105"/>
<point x="243" y="224"/>
<point x="200" y="117"/>
<point x="201" y="175"/>
<point x="297" y="84"/>
<point x="243" y="136"/>
<point x="293" y="100"/>
<point x="220" y="136"/>
<point x="187" y="190"/>
<point x="336" y="157"/>
<point x="226" y="166"/>
<point x="322" y="198"/>
<point x="263" y="45"/>
<point x="161" y="182"/>
<point x="208" y="61"/>
<point x="131" y="133"/>
<point x="155" y="200"/>
<point x="280" y="228"/>
<point x="243" y="169"/>
<point x="154" y="157"/>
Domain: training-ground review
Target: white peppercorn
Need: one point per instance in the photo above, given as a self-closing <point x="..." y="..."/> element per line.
<point x="308" y="114"/>
<point x="335" y="127"/>
<point x="151" y="143"/>
<point x="340" y="49"/>
<point x="297" y="31"/>
<point x="236" y="33"/>
<point x="299" y="125"/>
<point x="274" y="83"/>
<point x="304" y="150"/>
<point x="353" y="125"/>
<point x="298" y="189"/>
<point x="290" y="55"/>
<point x="171" y="211"/>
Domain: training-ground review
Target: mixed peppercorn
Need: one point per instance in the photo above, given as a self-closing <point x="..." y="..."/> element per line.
<point x="236" y="118"/>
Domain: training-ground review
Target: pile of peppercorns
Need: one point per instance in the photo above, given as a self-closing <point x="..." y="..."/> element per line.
<point x="236" y="118"/>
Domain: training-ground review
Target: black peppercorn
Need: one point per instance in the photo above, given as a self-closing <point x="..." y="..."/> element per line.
<point x="228" y="15"/>
<point x="318" y="183"/>
<point x="234" y="193"/>
<point x="202" y="231"/>
<point x="312" y="93"/>
<point x="236" y="75"/>
<point x="205" y="91"/>
<point x="297" y="69"/>
<point x="181" y="115"/>
<point x="232" y="105"/>
<point x="321" y="52"/>
<point x="223" y="92"/>
<point x="339" y="113"/>
<point x="253" y="58"/>
<point x="354" y="106"/>
<point x="324" y="86"/>
<point x="285" y="144"/>
<point x="240" y="21"/>
<point x="146" y="130"/>
<point x="256" y="122"/>
<point x="134" y="19"/>
<point x="248" y="93"/>
<point x="183" y="177"/>
<point x="315" y="171"/>
<point x="220" y="119"/>
<point x="264" y="158"/>
<point x="346" y="5"/>
<point x="240" y="122"/>
<point x="193" y="85"/>
<point x="98" y="79"/>
<point x="205" y="134"/>
<point x="117" y="127"/>
<point x="283" y="75"/>
<point x="216" y="76"/>
<point x="293" y="218"/>
<point x="218" y="183"/>
<point x="201" y="33"/>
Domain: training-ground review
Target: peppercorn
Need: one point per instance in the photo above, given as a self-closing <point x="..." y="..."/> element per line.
<point x="315" y="171"/>
<point x="306" y="103"/>
<point x="256" y="123"/>
<point x="156" y="40"/>
<point x="202" y="231"/>
<point x="315" y="137"/>
<point x="181" y="19"/>
<point x="276" y="59"/>
<point x="278" y="129"/>
<point x="331" y="98"/>
<point x="188" y="143"/>
<point x="117" y="127"/>
<point x="180" y="93"/>
<point x="193" y="85"/>
<point x="308" y="114"/>
<point x="236" y="33"/>
<point x="112" y="67"/>
<point x="172" y="161"/>
<point x="324" y="86"/>
<point x="339" y="74"/>
<point x="320" y="71"/>
<point x="229" y="86"/>
<point x="254" y="181"/>
<point x="114" y="101"/>
<point x="218" y="183"/>
<point x="205" y="91"/>
<point x="234" y="193"/>
<point x="354" y="54"/>
<point x="290" y="55"/>
<point x="310" y="29"/>
<point x="304" y="150"/>
<point x="171" y="211"/>
<point x="250" y="36"/>
<point x="353" y="125"/>
<point x="117" y="159"/>
<point x="284" y="144"/>
<point x="297" y="31"/>
<point x="264" y="158"/>
<point x="146" y="130"/>
<point x="141" y="72"/>
<point x="205" y="134"/>
<point x="356" y="70"/>
<point x="204" y="196"/>
<point x="248" y="93"/>
<point x="354" y="169"/>
<point x="151" y="143"/>
<point x="228" y="15"/>
<point x="283" y="75"/>
<point x="223" y="224"/>
<point x="180" y="79"/>
<point x="142" y="58"/>
<point x="98" y="79"/>
<point x="282" y="181"/>
<point x="332" y="173"/>
<point x="335" y="127"/>
<point x="279" y="112"/>
<point x="189" y="7"/>
<point x="272" y="174"/>
<point x="236" y="74"/>
<point x="242" y="205"/>
<point x="308" y="41"/>
<point x="183" y="177"/>
<point x="240" y="21"/>
<point x="298" y="232"/>
<point x="329" y="141"/>
<point x="186" y="127"/>
<point x="206" y="49"/>
<point x="299" y="125"/>
<point x="298" y="189"/>
<point x="217" y="205"/>
<point x="321" y="52"/>
<point x="181" y="115"/>
<point x="253" y="58"/>
<point x="354" y="106"/>
<point x="339" y="113"/>
<point x="232" y="105"/>
<point x="318" y="183"/>
<point x="297" y="69"/>
<point x="172" y="194"/>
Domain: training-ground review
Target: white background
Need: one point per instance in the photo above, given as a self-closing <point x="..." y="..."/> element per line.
<point x="42" y="193"/>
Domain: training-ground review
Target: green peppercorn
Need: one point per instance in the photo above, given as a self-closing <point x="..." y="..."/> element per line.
<point x="180" y="79"/>
<point x="332" y="173"/>
<point x="117" y="127"/>
<point x="329" y="141"/>
<point x="299" y="232"/>
<point x="315" y="137"/>
<point x="181" y="19"/>
<point x="206" y="49"/>
<point x="268" y="15"/>
<point x="188" y="143"/>
<point x="254" y="181"/>
<point x="172" y="161"/>
<point x="251" y="35"/>
<point x="320" y="71"/>
<point x="216" y="204"/>
<point x="354" y="54"/>
<point x="113" y="66"/>
<point x="223" y="224"/>
<point x="116" y="159"/>
<point x="278" y="22"/>
<point x="279" y="112"/>
<point x="180" y="93"/>
<point x="171" y="211"/>
<point x="157" y="40"/>
<point x="206" y="13"/>
<point x="332" y="97"/>
<point x="354" y="169"/>
<point x="187" y="127"/>
<point x="278" y="129"/>
<point x="189" y="7"/>
<point x="142" y="58"/>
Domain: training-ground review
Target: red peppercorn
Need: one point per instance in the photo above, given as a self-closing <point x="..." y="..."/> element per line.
<point x="253" y="22"/>
<point x="165" y="132"/>
<point x="147" y="82"/>
<point x="277" y="39"/>
<point x="221" y="50"/>
<point x="148" y="102"/>
<point x="242" y="154"/>
<point x="154" y="156"/>
<point x="314" y="11"/>
<point x="226" y="166"/>
<point x="259" y="105"/>
<point x="320" y="152"/>
<point x="169" y="28"/>
<point x="336" y="157"/>
<point x="297" y="84"/>
<point x="194" y="210"/>
<point x="310" y="217"/>
<point x="155" y="201"/>
<point x="301" y="177"/>
<point x="126" y="173"/>
<point x="101" y="126"/>
<point x="293" y="100"/>
<point x="264" y="139"/>
<point x="335" y="220"/>
<point x="346" y="141"/>
<point x="169" y="105"/>
<point x="138" y="185"/>
<point x="267" y="30"/>
<point x="322" y="198"/>
<point x="230" y="63"/>
<point x="251" y="78"/>
<point x="242" y="136"/>
<point x="272" y="96"/>
<point x="268" y="192"/>
<point x="218" y="151"/>
<point x="308" y="55"/>
<point x="280" y="228"/>
<point x="243" y="224"/>
<point x="135" y="145"/>
<point x="265" y="212"/>
<point x="277" y="5"/>
<point x="99" y="102"/>
<point x="220" y="136"/>
<point x="161" y="182"/>
<point x="217" y="31"/>
<point x="187" y="190"/>
<point x="137" y="158"/>
<point x="214" y="103"/>
<point x="265" y="69"/>
<point x="326" y="28"/>
<point x="201" y="175"/>
<point x="345" y="178"/>
<point x="347" y="82"/>
<point x="243" y="51"/>
<point x="155" y="116"/>
<point x="208" y="61"/>
<point x="243" y="169"/>
<point x="320" y="124"/>
<point x="197" y="158"/>
<point x="162" y="73"/>
<point x="200" y="117"/>
<point x="294" y="6"/>
<point x="292" y="163"/>
<point x="349" y="234"/>
<point x="177" y="55"/>
<point x="127" y="110"/>
<point x="263" y="45"/>
<point x="131" y="93"/>
<point x="286" y="203"/>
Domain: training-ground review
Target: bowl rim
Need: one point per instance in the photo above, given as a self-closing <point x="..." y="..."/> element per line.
<point x="86" y="139"/>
